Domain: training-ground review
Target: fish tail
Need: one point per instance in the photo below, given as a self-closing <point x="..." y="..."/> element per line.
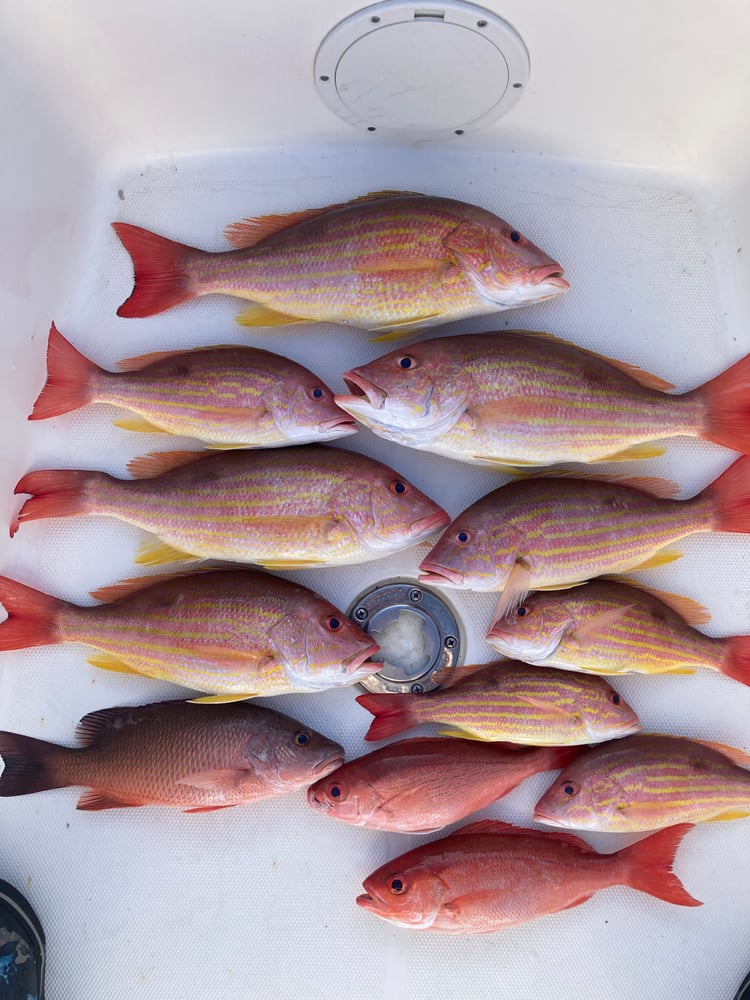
<point x="727" y="399"/>
<point x="30" y="765"/>
<point x="32" y="616"/>
<point x="69" y="379"/>
<point x="163" y="276"/>
<point x="736" y="663"/>
<point x="648" y="866"/>
<point x="393" y="714"/>
<point x="730" y="495"/>
<point x="557" y="757"/>
<point x="54" y="493"/>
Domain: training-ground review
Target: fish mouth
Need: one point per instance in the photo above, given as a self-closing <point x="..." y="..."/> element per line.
<point x="432" y="522"/>
<point x="362" y="388"/>
<point x="541" y="816"/>
<point x="440" y="576"/>
<point x="317" y="800"/>
<point x="360" y="658"/>
<point x="340" y="426"/>
<point x="367" y="903"/>
<point x="330" y="763"/>
<point x="549" y="274"/>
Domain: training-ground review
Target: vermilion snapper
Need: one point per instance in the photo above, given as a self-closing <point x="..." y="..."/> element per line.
<point x="421" y="785"/>
<point x="513" y="702"/>
<point x="234" y="633"/>
<point x="387" y="261"/>
<point x="490" y="875"/>
<point x="552" y="532"/>
<point x="227" y="397"/>
<point x="607" y="627"/>
<point x="196" y="757"/>
<point x="514" y="399"/>
<point x="293" y="508"/>
<point x="648" y="781"/>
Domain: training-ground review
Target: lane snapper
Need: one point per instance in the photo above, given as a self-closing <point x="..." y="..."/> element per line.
<point x="391" y="261"/>
<point x="196" y="757"/>
<point x="227" y="397"/>
<point x="490" y="875"/>
<point x="235" y="633"/>
<point x="518" y="398"/>
<point x="513" y="702"/>
<point x="607" y="627"/>
<point x="422" y="784"/>
<point x="648" y="781"/>
<point x="552" y="532"/>
<point x="281" y="509"/>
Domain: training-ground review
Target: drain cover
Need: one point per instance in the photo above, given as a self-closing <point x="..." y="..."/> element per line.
<point x="417" y="631"/>
<point x="421" y="70"/>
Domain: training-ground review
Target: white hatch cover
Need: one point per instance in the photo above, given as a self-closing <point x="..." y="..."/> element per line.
<point x="421" y="70"/>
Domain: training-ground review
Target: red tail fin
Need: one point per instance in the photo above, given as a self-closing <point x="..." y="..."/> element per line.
<point x="55" y="493"/>
<point x="393" y="714"/>
<point x="737" y="661"/>
<point x="68" y="384"/>
<point x="730" y="494"/>
<point x="31" y="616"/>
<point x="728" y="400"/>
<point x="648" y="866"/>
<point x="552" y="758"/>
<point x="30" y="765"/>
<point x="162" y="271"/>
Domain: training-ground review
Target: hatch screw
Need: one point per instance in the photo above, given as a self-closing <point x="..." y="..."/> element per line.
<point x="451" y="642"/>
<point x="417" y="689"/>
<point x="360" y="614"/>
<point x="415" y="595"/>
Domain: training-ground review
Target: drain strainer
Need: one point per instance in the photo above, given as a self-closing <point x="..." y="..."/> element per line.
<point x="417" y="631"/>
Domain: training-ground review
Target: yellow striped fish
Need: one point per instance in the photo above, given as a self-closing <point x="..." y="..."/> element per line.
<point x="281" y="509"/>
<point x="227" y="397"/>
<point x="607" y="627"/>
<point x="511" y="702"/>
<point x="233" y="633"/>
<point x="388" y="261"/>
<point x="552" y="532"/>
<point x="646" y="782"/>
<point x="514" y="399"/>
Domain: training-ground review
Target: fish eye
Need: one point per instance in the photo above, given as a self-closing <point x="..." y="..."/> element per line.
<point x="316" y="393"/>
<point x="521" y="611"/>
<point x="302" y="739"/>
<point x="569" y="788"/>
<point x="335" y="791"/>
<point x="616" y="699"/>
<point x="333" y="624"/>
<point x="398" y="487"/>
<point x="406" y="362"/>
<point x="515" y="236"/>
<point x="463" y="537"/>
<point x="397" y="884"/>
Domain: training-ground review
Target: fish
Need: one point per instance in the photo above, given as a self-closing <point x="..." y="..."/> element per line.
<point x="648" y="781"/>
<point x="550" y="532"/>
<point x="226" y="397"/>
<point x="608" y="627"/>
<point x="198" y="758"/>
<point x="389" y="261"/>
<point x="290" y="508"/>
<point x="420" y="785"/>
<point x="490" y="875"/>
<point x="519" y="398"/>
<point x="233" y="633"/>
<point x="513" y="702"/>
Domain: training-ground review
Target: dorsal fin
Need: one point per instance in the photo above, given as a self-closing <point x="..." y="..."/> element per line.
<point x="733" y="754"/>
<point x="644" y="378"/>
<point x="250" y="232"/>
<point x="141" y="361"/>
<point x="156" y="462"/>
<point x="497" y="826"/>
<point x="663" y="489"/>
<point x="689" y="610"/>
<point x="135" y="584"/>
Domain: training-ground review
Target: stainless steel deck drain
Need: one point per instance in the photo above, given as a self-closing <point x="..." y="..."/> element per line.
<point x="421" y="70"/>
<point x="418" y="633"/>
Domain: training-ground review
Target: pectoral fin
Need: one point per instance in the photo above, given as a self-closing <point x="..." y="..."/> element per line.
<point x="635" y="453"/>
<point x="138" y="423"/>
<point x="661" y="558"/>
<point x="403" y="328"/>
<point x="219" y="780"/>
<point x="260" y="315"/>
<point x="221" y="699"/>
<point x="105" y="661"/>
<point x="585" y="634"/>
<point x="516" y="588"/>
<point x="463" y="735"/>
<point x="158" y="553"/>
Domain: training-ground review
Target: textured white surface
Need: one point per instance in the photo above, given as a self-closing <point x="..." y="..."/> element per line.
<point x="259" y="902"/>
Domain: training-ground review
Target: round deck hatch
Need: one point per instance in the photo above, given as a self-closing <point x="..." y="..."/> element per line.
<point x="421" y="70"/>
<point x="418" y="633"/>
